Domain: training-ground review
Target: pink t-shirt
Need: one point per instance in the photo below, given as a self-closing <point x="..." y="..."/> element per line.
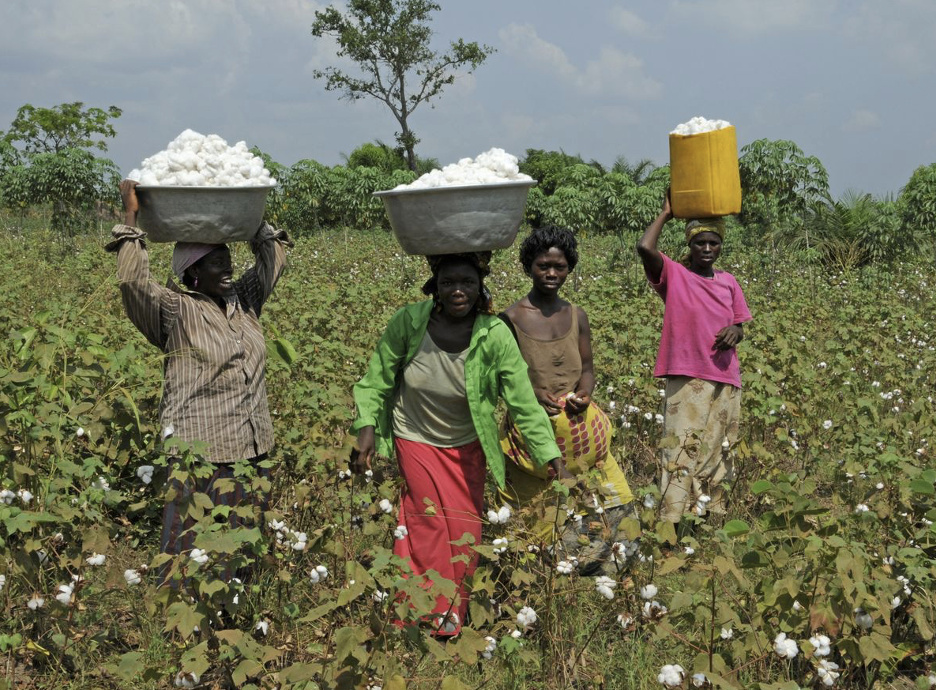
<point x="697" y="309"/>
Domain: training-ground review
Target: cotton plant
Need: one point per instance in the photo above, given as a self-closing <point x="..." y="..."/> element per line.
<point x="186" y="679"/>
<point x="827" y="672"/>
<point x="785" y="647"/>
<point x="605" y="586"/>
<point x="145" y="473"/>
<point x="653" y="610"/>
<point x="526" y="617"/>
<point x="822" y="645"/>
<point x="622" y="551"/>
<point x="96" y="559"/>
<point x="862" y="619"/>
<point x="318" y="574"/>
<point x="671" y="675"/>
<point x="500" y="516"/>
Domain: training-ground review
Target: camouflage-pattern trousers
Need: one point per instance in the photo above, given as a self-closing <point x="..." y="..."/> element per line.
<point x="700" y="427"/>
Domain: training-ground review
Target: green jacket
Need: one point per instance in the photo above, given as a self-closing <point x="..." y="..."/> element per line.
<point x="493" y="367"/>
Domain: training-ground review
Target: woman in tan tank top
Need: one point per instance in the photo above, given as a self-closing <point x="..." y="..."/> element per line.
<point x="555" y="342"/>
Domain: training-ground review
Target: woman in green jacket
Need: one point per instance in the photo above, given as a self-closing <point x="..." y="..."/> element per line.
<point x="430" y="394"/>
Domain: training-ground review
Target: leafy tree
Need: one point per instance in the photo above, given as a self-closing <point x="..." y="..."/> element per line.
<point x="918" y="201"/>
<point x="853" y="231"/>
<point x="638" y="172"/>
<point x="46" y="157"/>
<point x="779" y="183"/>
<point x="72" y="181"/>
<point x="65" y="126"/>
<point x="389" y="42"/>
<point x="548" y="167"/>
<point x="386" y="158"/>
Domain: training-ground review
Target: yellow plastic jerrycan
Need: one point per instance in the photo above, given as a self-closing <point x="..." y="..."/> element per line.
<point x="704" y="177"/>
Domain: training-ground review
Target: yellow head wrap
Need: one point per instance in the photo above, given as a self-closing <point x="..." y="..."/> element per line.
<point x="699" y="225"/>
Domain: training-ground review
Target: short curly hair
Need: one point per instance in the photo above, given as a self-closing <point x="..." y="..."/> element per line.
<point x="541" y="240"/>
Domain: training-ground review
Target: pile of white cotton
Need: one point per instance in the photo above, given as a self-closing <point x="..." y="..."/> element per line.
<point x="699" y="125"/>
<point x="196" y="160"/>
<point x="491" y="167"/>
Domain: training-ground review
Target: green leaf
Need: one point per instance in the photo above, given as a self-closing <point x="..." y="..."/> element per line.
<point x="319" y="611"/>
<point x="129" y="666"/>
<point x="284" y="351"/>
<point x="182" y="617"/>
<point x="922" y="487"/>
<point x="736" y="528"/>
<point x="347" y="641"/>
<point x="761" y="486"/>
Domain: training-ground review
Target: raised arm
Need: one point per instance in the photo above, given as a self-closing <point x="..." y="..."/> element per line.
<point x="257" y="283"/>
<point x="647" y="246"/>
<point x="149" y="306"/>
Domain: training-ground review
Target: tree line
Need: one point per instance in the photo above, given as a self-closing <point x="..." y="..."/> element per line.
<point x="52" y="158"/>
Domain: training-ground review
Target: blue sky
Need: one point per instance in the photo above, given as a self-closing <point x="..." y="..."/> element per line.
<point x="850" y="81"/>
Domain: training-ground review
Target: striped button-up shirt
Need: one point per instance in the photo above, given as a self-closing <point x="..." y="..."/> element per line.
<point x="214" y="389"/>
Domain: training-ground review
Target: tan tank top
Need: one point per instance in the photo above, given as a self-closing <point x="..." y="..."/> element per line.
<point x="432" y="402"/>
<point x="555" y="365"/>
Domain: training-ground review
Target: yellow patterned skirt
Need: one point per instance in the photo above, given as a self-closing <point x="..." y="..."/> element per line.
<point x="585" y="443"/>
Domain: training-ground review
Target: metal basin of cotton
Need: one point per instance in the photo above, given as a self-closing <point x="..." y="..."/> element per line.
<point x="213" y="215"/>
<point x="448" y="220"/>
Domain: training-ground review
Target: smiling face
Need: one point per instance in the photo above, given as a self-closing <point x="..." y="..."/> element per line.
<point x="459" y="286"/>
<point x="549" y="271"/>
<point x="704" y="249"/>
<point x="214" y="273"/>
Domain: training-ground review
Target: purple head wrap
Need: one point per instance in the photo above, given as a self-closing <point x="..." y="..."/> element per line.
<point x="187" y="253"/>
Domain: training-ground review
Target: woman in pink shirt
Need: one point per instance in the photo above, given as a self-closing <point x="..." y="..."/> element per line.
<point x="702" y="324"/>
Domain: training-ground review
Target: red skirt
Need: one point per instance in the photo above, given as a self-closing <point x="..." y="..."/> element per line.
<point x="452" y="479"/>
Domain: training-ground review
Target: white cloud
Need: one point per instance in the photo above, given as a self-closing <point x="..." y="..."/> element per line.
<point x="618" y="73"/>
<point x="521" y="40"/>
<point x="613" y="73"/>
<point x="147" y="32"/>
<point x="756" y="16"/>
<point x="627" y="22"/>
<point x="902" y="29"/>
<point x="862" y="121"/>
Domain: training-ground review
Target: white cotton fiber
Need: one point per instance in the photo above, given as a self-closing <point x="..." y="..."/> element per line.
<point x="699" y="125"/>
<point x="196" y="160"/>
<point x="491" y="167"/>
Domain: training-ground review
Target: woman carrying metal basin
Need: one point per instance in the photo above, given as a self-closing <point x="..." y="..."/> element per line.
<point x="430" y="393"/>
<point x="214" y="393"/>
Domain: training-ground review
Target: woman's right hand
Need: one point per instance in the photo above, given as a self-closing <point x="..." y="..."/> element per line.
<point x="131" y="203"/>
<point x="362" y="456"/>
